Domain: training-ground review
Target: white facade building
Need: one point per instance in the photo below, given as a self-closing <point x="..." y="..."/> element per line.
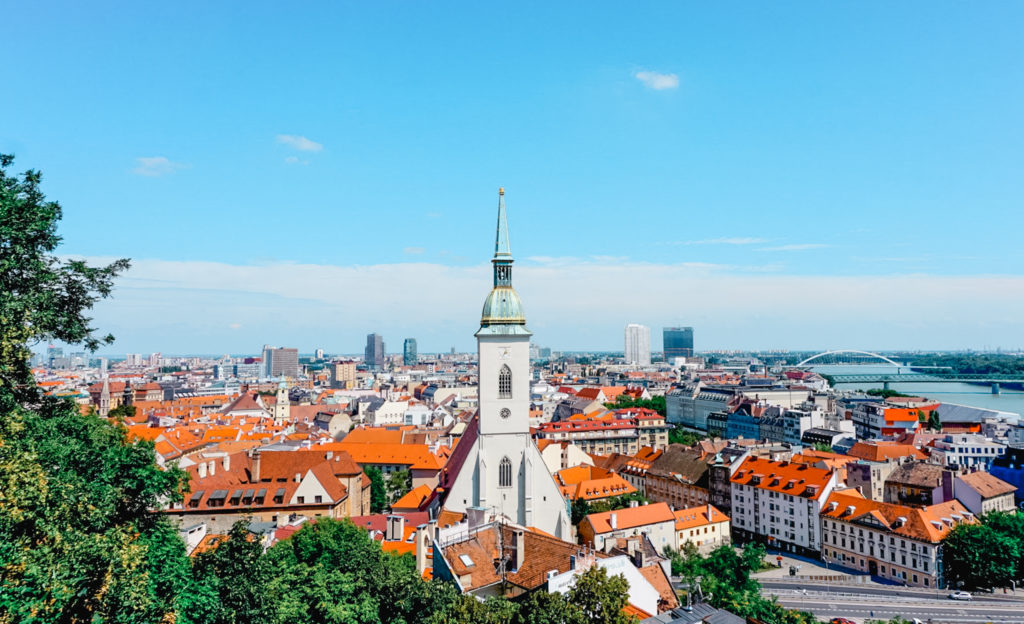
<point x="967" y="450"/>
<point x="638" y="344"/>
<point x="503" y="472"/>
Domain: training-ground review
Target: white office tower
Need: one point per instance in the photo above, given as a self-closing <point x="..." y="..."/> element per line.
<point x="503" y="472"/>
<point x="638" y="344"/>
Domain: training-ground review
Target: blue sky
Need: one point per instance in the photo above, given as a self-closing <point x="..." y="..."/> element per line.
<point x="794" y="175"/>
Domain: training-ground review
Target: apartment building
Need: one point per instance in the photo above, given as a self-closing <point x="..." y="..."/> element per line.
<point x="894" y="542"/>
<point x="778" y="502"/>
<point x="967" y="450"/>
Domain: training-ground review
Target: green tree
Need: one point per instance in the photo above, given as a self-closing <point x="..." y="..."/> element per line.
<point x="378" y="490"/>
<point x="398" y="484"/>
<point x="823" y="447"/>
<point x="41" y="297"/>
<point x="78" y="542"/>
<point x="541" y="607"/>
<point x="579" y="510"/>
<point x="122" y="412"/>
<point x="976" y="555"/>
<point x="601" y="598"/>
<point x="678" y="435"/>
<point x="933" y="421"/>
<point x="230" y="582"/>
<point x="331" y="571"/>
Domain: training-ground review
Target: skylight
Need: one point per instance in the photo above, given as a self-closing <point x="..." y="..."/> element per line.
<point x="466" y="561"/>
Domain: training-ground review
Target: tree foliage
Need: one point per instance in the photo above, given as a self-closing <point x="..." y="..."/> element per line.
<point x="725" y="582"/>
<point x="378" y="489"/>
<point x="985" y="555"/>
<point x="78" y="542"/>
<point x="41" y="296"/>
<point x="398" y="485"/>
<point x="580" y="508"/>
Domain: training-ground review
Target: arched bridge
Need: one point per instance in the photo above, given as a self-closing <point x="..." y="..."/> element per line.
<point x="827" y="354"/>
<point x="904" y="373"/>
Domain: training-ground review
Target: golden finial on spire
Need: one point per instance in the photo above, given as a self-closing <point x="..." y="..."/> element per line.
<point x="501" y="190"/>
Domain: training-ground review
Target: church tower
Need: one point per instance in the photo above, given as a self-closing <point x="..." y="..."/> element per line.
<point x="282" y="407"/>
<point x="504" y="472"/>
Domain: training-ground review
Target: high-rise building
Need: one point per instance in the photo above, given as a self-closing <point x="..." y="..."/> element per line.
<point x="409" y="356"/>
<point x="318" y="354"/>
<point x="638" y="344"/>
<point x="280" y="362"/>
<point x="343" y="374"/>
<point x="374" y="355"/>
<point x="502" y="473"/>
<point x="677" y="342"/>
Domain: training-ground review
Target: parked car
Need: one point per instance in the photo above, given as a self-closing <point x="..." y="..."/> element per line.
<point x="838" y="620"/>
<point x="960" y="595"/>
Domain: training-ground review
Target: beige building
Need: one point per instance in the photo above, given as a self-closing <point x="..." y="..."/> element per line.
<point x="982" y="493"/>
<point x="272" y="486"/>
<point x="655" y="520"/>
<point x="705" y="527"/>
<point x="894" y="542"/>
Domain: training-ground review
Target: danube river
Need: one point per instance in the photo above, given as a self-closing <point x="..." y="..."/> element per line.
<point x="962" y="393"/>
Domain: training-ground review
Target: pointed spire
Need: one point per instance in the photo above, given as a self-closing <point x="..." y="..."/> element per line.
<point x="501" y="244"/>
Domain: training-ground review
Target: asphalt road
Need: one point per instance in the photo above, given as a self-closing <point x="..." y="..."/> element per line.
<point x="865" y="606"/>
<point x="886" y="591"/>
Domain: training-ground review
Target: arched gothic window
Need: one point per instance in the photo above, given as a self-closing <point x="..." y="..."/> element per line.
<point x="505" y="382"/>
<point x="505" y="473"/>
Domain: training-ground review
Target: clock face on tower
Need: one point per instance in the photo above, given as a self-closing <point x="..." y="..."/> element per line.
<point x="504" y="353"/>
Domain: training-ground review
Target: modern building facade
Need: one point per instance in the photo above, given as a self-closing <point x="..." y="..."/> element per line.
<point x="638" y="344"/>
<point x="677" y="342"/>
<point x="280" y="362"/>
<point x="409" y="356"/>
<point x="374" y="354"/>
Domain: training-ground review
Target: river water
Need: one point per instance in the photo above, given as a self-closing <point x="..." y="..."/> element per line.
<point x="961" y="393"/>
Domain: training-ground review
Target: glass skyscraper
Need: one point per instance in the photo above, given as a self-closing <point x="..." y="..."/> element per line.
<point x="409" y="356"/>
<point x="677" y="342"/>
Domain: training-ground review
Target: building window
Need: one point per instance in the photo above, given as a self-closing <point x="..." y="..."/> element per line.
<point x="505" y="473"/>
<point x="505" y="382"/>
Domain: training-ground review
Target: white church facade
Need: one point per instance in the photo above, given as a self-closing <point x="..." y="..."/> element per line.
<point x="503" y="472"/>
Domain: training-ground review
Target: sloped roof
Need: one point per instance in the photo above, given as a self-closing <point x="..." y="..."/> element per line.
<point x="630" y="517"/>
<point x="789" y="478"/>
<point x="883" y="450"/>
<point x="987" y="485"/>
<point x="917" y="474"/>
<point x="543" y="553"/>
<point x="698" y="516"/>
<point x="930" y="524"/>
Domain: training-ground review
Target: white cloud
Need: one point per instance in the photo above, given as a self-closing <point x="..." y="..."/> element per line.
<point x="156" y="166"/>
<point x="300" y="143"/>
<point x="235" y="326"/>
<point x="796" y="247"/>
<point x="414" y="250"/>
<point x="566" y="303"/>
<point x="295" y="160"/>
<point x="656" y="80"/>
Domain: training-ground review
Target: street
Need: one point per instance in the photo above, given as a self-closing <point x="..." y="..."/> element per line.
<point x="869" y="604"/>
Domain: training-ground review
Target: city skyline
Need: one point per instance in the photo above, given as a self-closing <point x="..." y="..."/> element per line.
<point x="864" y="179"/>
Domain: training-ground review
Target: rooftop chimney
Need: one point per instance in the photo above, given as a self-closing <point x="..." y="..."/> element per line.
<point x="475" y="516"/>
<point x="256" y="466"/>
<point x="396" y="528"/>
<point x="227" y="463"/>
<point x="520" y="554"/>
<point x="213" y="467"/>
<point x="613" y="521"/>
<point x="202" y="470"/>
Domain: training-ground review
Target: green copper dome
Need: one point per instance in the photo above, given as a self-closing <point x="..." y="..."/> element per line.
<point x="503" y="311"/>
<point x="503" y="307"/>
